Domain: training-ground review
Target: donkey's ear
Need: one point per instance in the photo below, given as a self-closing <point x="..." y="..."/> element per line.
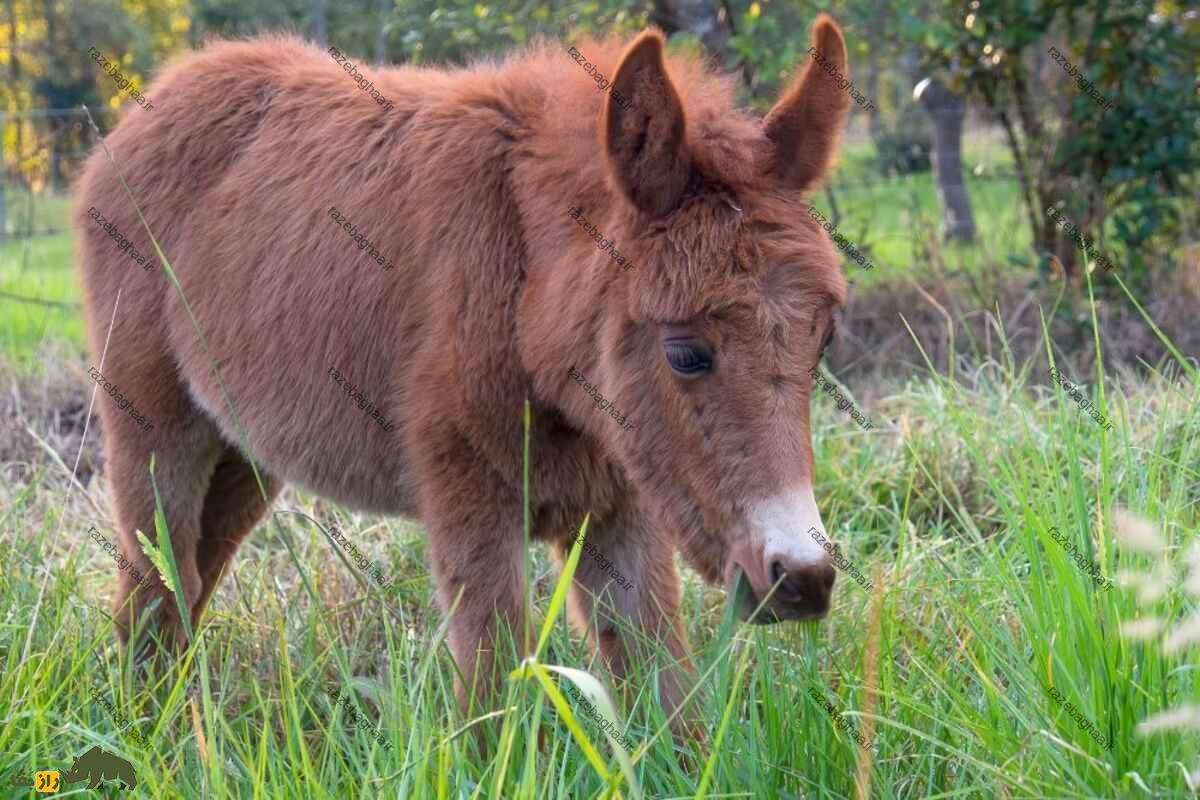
<point x="644" y="129"/>
<point x="805" y="125"/>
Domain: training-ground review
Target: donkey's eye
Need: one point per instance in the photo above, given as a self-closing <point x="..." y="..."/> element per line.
<point x="688" y="358"/>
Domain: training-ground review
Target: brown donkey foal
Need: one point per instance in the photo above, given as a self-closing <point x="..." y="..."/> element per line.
<point x="473" y="183"/>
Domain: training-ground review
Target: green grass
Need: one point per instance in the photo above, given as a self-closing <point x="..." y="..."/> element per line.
<point x="307" y="681"/>
<point x="951" y="497"/>
<point x="896" y="221"/>
<point x="37" y="269"/>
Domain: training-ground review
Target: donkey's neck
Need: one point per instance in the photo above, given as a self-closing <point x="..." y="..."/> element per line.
<point x="558" y="178"/>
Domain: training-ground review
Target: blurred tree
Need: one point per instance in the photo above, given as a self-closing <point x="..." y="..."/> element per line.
<point x="1087" y="148"/>
<point x="242" y="18"/>
<point x="709" y="22"/>
<point x="769" y="43"/>
<point x="318" y="23"/>
<point x="454" y="31"/>
<point x="947" y="111"/>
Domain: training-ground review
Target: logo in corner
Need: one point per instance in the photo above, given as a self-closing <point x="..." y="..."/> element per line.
<point x="96" y="766"/>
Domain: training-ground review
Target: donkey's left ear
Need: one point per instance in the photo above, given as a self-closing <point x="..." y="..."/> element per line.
<point x="805" y="125"/>
<point x="644" y="129"/>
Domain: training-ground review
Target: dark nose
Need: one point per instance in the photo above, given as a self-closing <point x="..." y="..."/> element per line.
<point x="802" y="589"/>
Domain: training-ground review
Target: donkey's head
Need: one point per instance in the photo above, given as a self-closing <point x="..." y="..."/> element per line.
<point x="724" y="315"/>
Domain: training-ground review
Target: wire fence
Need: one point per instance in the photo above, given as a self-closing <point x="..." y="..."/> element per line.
<point x="45" y="150"/>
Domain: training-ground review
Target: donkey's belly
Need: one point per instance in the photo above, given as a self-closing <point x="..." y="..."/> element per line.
<point x="338" y="445"/>
<point x="380" y="493"/>
<point x="374" y="480"/>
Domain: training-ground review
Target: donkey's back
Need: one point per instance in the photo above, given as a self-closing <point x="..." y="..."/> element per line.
<point x="324" y="236"/>
<point x="298" y="212"/>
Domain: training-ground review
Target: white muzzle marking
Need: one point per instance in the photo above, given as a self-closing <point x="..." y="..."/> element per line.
<point x="786" y="523"/>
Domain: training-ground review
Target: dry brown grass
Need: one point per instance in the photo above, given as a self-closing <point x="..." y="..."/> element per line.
<point x="980" y="318"/>
<point x="48" y="409"/>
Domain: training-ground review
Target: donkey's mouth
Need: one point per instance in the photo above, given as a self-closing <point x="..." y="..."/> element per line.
<point x="751" y="608"/>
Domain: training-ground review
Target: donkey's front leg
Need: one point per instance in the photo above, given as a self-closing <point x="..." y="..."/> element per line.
<point x="625" y="597"/>
<point x="476" y="553"/>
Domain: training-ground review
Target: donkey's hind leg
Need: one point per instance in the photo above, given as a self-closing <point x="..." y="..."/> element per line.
<point x="233" y="505"/>
<point x="186" y="448"/>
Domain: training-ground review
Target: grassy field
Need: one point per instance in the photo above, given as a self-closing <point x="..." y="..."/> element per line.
<point x="37" y="269"/>
<point x="984" y="661"/>
<point x="310" y="682"/>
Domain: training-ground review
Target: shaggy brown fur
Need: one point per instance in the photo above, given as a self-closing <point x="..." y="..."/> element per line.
<point x="466" y="186"/>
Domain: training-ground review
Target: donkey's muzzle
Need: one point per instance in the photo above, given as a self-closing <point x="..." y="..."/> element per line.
<point x="797" y="591"/>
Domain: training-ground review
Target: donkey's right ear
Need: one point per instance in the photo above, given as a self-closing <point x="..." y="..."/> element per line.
<point x="644" y="129"/>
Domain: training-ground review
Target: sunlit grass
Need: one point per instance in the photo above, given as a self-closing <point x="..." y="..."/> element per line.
<point x="952" y="494"/>
<point x="306" y="681"/>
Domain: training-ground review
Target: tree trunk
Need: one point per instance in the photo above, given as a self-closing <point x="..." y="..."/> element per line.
<point x="710" y="22"/>
<point x="874" y="43"/>
<point x="385" y="9"/>
<point x="318" y="23"/>
<point x="946" y="112"/>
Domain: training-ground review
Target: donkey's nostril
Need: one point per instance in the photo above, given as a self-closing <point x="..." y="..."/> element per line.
<point x="777" y="572"/>
<point x="803" y="585"/>
<point x="827" y="576"/>
<point x="790" y="586"/>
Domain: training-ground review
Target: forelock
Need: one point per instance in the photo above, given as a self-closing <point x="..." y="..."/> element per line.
<point x="791" y="238"/>
<point x="703" y="257"/>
